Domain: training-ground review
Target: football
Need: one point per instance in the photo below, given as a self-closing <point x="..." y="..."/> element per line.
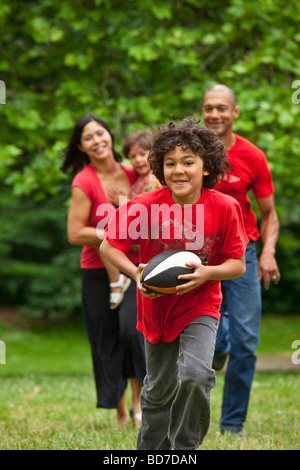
<point x="161" y="273"/>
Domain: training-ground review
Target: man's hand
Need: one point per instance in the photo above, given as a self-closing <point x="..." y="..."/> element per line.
<point x="269" y="231"/>
<point x="268" y="269"/>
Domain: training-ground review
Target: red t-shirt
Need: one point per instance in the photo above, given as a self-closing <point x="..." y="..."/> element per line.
<point x="101" y="210"/>
<point x="157" y="224"/>
<point x="249" y="170"/>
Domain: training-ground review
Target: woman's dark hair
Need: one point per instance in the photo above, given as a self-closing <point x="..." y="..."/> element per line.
<point x="188" y="134"/>
<point x="75" y="159"/>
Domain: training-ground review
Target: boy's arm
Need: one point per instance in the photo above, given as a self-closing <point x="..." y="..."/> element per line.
<point x="120" y="260"/>
<point x="230" y="269"/>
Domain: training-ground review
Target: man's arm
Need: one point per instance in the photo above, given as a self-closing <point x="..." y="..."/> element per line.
<point x="269" y="231"/>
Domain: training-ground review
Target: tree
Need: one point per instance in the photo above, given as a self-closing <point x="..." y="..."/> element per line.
<point x="135" y="65"/>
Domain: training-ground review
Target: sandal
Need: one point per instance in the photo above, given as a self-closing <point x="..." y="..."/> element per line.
<point x="117" y="297"/>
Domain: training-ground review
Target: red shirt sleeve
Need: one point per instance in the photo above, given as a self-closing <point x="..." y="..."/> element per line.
<point x="263" y="184"/>
<point x="83" y="181"/>
<point x="131" y="173"/>
<point x="123" y="230"/>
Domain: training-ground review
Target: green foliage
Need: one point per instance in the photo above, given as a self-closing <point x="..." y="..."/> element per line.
<point x="47" y="400"/>
<point x="135" y="64"/>
<point x="39" y="270"/>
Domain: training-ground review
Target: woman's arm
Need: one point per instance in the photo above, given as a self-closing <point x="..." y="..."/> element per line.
<point x="230" y="269"/>
<point x="79" y="233"/>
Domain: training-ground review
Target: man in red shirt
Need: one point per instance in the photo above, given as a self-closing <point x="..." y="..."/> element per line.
<point x="238" y="330"/>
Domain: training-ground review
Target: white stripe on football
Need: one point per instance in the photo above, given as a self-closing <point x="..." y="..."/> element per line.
<point x="178" y="259"/>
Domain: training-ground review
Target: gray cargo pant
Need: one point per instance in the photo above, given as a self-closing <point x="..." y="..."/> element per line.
<point x="176" y="393"/>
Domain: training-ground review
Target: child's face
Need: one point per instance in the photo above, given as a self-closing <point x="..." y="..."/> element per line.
<point x="184" y="172"/>
<point x="138" y="157"/>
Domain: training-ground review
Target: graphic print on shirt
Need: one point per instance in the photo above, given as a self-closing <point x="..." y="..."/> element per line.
<point x="231" y="178"/>
<point x="185" y="236"/>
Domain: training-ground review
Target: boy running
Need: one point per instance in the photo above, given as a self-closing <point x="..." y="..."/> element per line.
<point x="180" y="329"/>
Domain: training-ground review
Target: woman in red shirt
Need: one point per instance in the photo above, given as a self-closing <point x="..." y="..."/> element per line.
<point x="92" y="158"/>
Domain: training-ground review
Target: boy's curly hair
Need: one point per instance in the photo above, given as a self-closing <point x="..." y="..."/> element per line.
<point x="188" y="134"/>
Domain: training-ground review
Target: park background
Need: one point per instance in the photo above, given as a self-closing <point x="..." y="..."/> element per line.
<point x="135" y="64"/>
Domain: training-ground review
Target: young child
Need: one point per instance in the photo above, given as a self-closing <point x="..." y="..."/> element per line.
<point x="136" y="147"/>
<point x="180" y="329"/>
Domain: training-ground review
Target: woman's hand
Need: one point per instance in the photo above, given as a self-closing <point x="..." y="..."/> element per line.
<point x="116" y="197"/>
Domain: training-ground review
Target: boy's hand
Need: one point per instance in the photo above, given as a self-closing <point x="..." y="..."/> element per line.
<point x="198" y="277"/>
<point x="143" y="291"/>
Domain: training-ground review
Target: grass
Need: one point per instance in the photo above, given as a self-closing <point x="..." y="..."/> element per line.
<point x="47" y="395"/>
<point x="277" y="334"/>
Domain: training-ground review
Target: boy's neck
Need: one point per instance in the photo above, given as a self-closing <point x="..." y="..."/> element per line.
<point x="189" y="201"/>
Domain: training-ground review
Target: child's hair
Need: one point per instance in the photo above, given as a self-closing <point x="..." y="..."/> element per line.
<point x="143" y="138"/>
<point x="188" y="134"/>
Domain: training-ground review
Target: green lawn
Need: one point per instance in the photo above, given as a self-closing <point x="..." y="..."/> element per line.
<point x="277" y="334"/>
<point x="47" y="395"/>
